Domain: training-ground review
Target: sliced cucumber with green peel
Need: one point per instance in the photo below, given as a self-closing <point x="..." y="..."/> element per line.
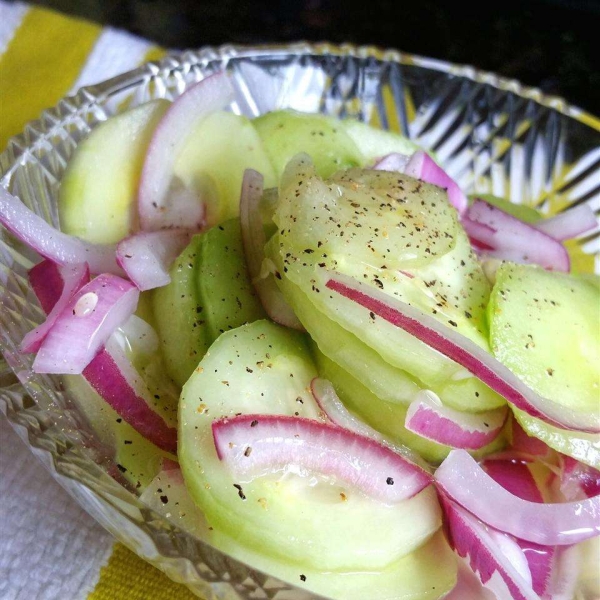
<point x="446" y="282"/>
<point x="223" y="285"/>
<point x="213" y="162"/>
<point x="179" y="319"/>
<point x="375" y="143"/>
<point x="210" y="292"/>
<point x="98" y="193"/>
<point x="385" y="381"/>
<point x="263" y="368"/>
<point x="427" y="573"/>
<point x="584" y="447"/>
<point x="285" y="133"/>
<point x="424" y="574"/>
<point x="386" y="417"/>
<point x="521" y="211"/>
<point x="545" y="327"/>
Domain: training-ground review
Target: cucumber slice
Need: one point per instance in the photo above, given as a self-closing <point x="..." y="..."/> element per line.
<point x="286" y="133"/>
<point x="584" y="447"/>
<point x="385" y="381"/>
<point x="99" y="188"/>
<point x="138" y="459"/>
<point x="545" y="327"/>
<point x="386" y="417"/>
<point x="179" y="318"/>
<point x="210" y="292"/>
<point x="521" y="211"/>
<point x="374" y="143"/>
<point x="265" y="368"/>
<point x="223" y="285"/>
<point x="446" y="281"/>
<point x="425" y="574"/>
<point x="213" y="162"/>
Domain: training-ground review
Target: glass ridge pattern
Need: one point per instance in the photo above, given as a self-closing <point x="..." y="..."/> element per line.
<point x="493" y="135"/>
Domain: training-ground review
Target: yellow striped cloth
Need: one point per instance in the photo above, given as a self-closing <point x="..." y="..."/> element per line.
<point x="43" y="57"/>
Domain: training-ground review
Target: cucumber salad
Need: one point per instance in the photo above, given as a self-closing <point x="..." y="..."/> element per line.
<point x="305" y="344"/>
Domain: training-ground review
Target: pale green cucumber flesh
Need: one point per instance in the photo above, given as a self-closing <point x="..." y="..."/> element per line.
<point x="213" y="161"/>
<point x="286" y="133"/>
<point x="545" y="327"/>
<point x="179" y="319"/>
<point x="98" y="192"/>
<point x="263" y="368"/>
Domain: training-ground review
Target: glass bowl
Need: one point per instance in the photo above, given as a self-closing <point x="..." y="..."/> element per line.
<point x="491" y="134"/>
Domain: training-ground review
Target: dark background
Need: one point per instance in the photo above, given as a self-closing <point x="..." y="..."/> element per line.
<point x="550" y="44"/>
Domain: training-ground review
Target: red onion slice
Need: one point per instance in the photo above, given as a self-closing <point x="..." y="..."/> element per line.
<point x="526" y="444"/>
<point x="146" y="257"/>
<point x="71" y="279"/>
<point x="513" y="239"/>
<point x="51" y="243"/>
<point x="160" y="205"/>
<point x="254" y="240"/>
<point x="254" y="445"/>
<point x="114" y="378"/>
<point x="463" y="351"/>
<point x="518" y="480"/>
<point x="333" y="408"/>
<point x="491" y="555"/>
<point x="429" y="418"/>
<point x="85" y="324"/>
<point x="578" y="481"/>
<point x="422" y="166"/>
<point x="392" y="162"/>
<point x="111" y="375"/>
<point x="569" y="224"/>
<point x="463" y="480"/>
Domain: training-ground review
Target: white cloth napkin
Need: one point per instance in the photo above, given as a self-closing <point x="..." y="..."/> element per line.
<point x="50" y="549"/>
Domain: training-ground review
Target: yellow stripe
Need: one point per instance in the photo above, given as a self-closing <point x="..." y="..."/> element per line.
<point x="155" y="53"/>
<point x="40" y="65"/>
<point x="126" y="576"/>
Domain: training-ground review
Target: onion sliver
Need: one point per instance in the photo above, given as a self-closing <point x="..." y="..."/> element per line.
<point x="254" y="240"/>
<point x="110" y="372"/>
<point x="114" y="378"/>
<point x="428" y="418"/>
<point x="333" y="408"/>
<point x="51" y="243"/>
<point x="465" y="482"/>
<point x="71" y="278"/>
<point x="578" y="481"/>
<point x="493" y="561"/>
<point x="514" y="240"/>
<point x="255" y="445"/>
<point x="463" y="351"/>
<point x="422" y="166"/>
<point x="392" y="162"/>
<point x="159" y="205"/>
<point x="569" y="224"/>
<point x="85" y="324"/>
<point x="517" y="479"/>
<point x="146" y="257"/>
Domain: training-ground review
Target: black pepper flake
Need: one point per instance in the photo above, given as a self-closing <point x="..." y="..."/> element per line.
<point x="241" y="494"/>
<point x="453" y="323"/>
<point x="390" y="481"/>
<point x="164" y="499"/>
<point x="121" y="468"/>
<point x="378" y="283"/>
<point x="302" y="577"/>
<point x="372" y="315"/>
<point x="249" y="370"/>
<point x="248" y="451"/>
<point x="254" y="423"/>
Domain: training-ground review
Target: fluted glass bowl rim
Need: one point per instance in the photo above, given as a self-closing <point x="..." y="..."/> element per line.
<point x="204" y="55"/>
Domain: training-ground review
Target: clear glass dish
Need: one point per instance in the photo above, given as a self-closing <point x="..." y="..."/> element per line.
<point x="491" y="134"/>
